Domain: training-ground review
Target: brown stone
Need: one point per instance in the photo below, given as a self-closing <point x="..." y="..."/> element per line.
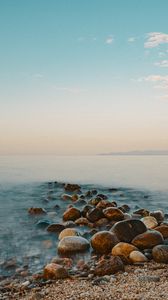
<point x="82" y="221"/>
<point x="123" y="249"/>
<point x="113" y="214"/>
<point x="160" y="254"/>
<point x="104" y="204"/>
<point x="103" y="241"/>
<point x="54" y="271"/>
<point x="71" y="187"/>
<point x="142" y="212"/>
<point x="128" y="229"/>
<point x="55" y="227"/>
<point x="137" y="257"/>
<point x="148" y="239"/>
<point x="163" y="229"/>
<point x="158" y="215"/>
<point x="36" y="211"/>
<point x="110" y="266"/>
<point x="94" y="215"/>
<point x="68" y="232"/>
<point x="102" y="222"/>
<point x="73" y="244"/>
<point x="71" y="214"/>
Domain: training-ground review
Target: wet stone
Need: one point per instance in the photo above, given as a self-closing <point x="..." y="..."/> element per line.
<point x="73" y="244"/>
<point x="55" y="227"/>
<point x="103" y="241"/>
<point x="127" y="230"/>
<point x="148" y="239"/>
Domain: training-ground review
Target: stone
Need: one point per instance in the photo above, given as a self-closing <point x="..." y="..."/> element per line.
<point x="73" y="244"/>
<point x="109" y="266"/>
<point x="127" y="230"/>
<point x="104" y="204"/>
<point x="137" y="257"/>
<point x="127" y="216"/>
<point x="43" y="223"/>
<point x="102" y="196"/>
<point x="71" y="214"/>
<point x="143" y="212"/>
<point x="55" y="227"/>
<point x="68" y="232"/>
<point x="158" y="215"/>
<point x="103" y="241"/>
<point x="66" y="197"/>
<point x="86" y="209"/>
<point x="163" y="229"/>
<point x="148" y="239"/>
<point x="54" y="271"/>
<point x="36" y="211"/>
<point x="113" y="214"/>
<point x="125" y="208"/>
<point x="123" y="249"/>
<point x="160" y="254"/>
<point x="82" y="221"/>
<point x="74" y="197"/>
<point x="102" y="222"/>
<point x="94" y="215"/>
<point x="65" y="261"/>
<point x="150" y="222"/>
<point x="69" y="224"/>
<point x="72" y="187"/>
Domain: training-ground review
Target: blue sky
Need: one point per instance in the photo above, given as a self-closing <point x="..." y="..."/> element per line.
<point x="83" y="77"/>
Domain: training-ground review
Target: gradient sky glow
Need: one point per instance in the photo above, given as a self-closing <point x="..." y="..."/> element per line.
<point x="83" y="76"/>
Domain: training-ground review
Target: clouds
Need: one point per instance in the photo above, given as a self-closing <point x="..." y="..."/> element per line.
<point x="159" y="82"/>
<point x="154" y="39"/>
<point x="109" y="40"/>
<point x="131" y="39"/>
<point x="162" y="64"/>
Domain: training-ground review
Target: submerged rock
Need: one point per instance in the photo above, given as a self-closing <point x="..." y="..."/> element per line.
<point x="72" y="187"/>
<point x="55" y="227"/>
<point x="160" y="254"/>
<point x="148" y="239"/>
<point x="127" y="230"/>
<point x="103" y="241"/>
<point x="36" y="211"/>
<point x="54" y="271"/>
<point x="73" y="244"/>
<point x="43" y="223"/>
<point x="109" y="266"/>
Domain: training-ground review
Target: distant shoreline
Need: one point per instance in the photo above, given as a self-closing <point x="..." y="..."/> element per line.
<point x="137" y="153"/>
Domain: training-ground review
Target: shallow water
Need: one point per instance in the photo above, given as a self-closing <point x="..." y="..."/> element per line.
<point x="24" y="184"/>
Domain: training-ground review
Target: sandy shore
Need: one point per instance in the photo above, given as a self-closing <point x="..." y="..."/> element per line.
<point x="146" y="282"/>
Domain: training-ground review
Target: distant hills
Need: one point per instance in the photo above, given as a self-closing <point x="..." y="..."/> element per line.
<point x="137" y="152"/>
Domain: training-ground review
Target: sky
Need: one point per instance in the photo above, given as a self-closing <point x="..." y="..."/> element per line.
<point x="81" y="77"/>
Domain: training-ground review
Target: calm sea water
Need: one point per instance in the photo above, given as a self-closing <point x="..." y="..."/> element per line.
<point x="149" y="172"/>
<point x="24" y="183"/>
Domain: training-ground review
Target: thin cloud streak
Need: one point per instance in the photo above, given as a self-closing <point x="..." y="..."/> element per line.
<point x="154" y="39"/>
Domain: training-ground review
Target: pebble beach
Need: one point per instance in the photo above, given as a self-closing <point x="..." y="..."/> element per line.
<point x="104" y="248"/>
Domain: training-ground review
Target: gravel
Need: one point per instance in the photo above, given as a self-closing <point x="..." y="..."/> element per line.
<point x="143" y="283"/>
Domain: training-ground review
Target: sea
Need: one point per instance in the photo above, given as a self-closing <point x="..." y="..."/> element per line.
<point x="34" y="181"/>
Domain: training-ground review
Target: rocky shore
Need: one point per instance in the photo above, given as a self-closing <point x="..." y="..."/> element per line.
<point x="104" y="251"/>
